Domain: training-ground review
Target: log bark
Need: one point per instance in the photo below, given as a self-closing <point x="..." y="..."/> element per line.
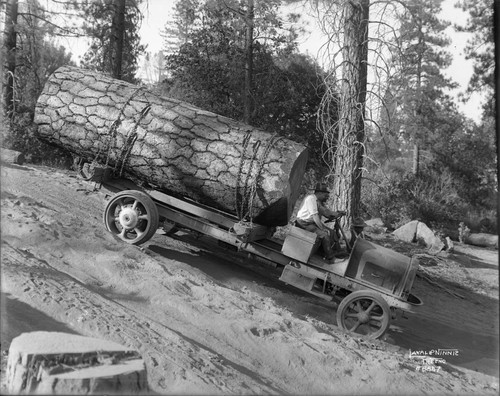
<point x="11" y="156"/>
<point x="172" y="146"/>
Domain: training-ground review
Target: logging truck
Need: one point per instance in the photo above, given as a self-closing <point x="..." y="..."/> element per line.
<point x="170" y="164"/>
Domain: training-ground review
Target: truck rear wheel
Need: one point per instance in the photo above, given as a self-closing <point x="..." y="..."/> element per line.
<point x="132" y="216"/>
<point x="364" y="312"/>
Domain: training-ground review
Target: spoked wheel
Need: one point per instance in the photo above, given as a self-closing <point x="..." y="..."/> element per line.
<point x="364" y="312"/>
<point x="132" y="216"/>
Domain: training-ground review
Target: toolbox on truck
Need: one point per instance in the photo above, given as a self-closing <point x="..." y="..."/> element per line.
<point x="300" y="244"/>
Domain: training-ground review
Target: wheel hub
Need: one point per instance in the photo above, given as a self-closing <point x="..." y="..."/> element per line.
<point x="363" y="317"/>
<point x="128" y="218"/>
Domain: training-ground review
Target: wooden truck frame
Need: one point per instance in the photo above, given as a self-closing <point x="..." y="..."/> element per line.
<point x="372" y="284"/>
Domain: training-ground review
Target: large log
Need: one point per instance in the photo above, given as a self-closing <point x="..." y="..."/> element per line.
<point x="172" y="146"/>
<point x="482" y="239"/>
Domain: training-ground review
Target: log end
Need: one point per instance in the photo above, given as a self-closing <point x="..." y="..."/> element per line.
<point x="279" y="212"/>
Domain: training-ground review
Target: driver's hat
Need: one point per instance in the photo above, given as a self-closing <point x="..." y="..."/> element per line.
<point x="359" y="222"/>
<point x="321" y="187"/>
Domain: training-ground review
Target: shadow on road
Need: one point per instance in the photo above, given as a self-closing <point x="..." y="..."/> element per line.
<point x="18" y="317"/>
<point x="470" y="261"/>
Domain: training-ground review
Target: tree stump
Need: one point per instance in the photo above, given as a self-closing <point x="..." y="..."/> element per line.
<point x="172" y="146"/>
<point x="59" y="363"/>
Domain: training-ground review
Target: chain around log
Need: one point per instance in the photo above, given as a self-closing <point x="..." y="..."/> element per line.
<point x="238" y="198"/>
<point x="97" y="172"/>
<point x="131" y="139"/>
<point x="250" y="191"/>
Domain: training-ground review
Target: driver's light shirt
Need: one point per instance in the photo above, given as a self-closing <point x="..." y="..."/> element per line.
<point x="308" y="209"/>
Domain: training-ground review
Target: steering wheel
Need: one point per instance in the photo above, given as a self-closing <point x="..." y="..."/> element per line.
<point x="337" y="226"/>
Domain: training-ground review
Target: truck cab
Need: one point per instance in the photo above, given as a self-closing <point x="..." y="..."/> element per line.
<point x="370" y="283"/>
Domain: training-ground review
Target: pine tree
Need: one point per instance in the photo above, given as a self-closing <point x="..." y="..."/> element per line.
<point x="208" y="69"/>
<point x="218" y="58"/>
<point x="481" y="49"/>
<point x="113" y="27"/>
<point x="32" y="57"/>
<point x="10" y="43"/>
<point x="185" y="20"/>
<point x="419" y="88"/>
<point x="342" y="114"/>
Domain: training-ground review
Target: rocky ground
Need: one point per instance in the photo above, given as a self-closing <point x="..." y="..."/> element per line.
<point x="208" y="323"/>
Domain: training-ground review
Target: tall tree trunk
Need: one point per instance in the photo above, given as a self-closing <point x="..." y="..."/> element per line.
<point x="247" y="97"/>
<point x="416" y="155"/>
<point x="34" y="44"/>
<point x="118" y="28"/>
<point x="348" y="158"/>
<point x="10" y="51"/>
<point x="418" y="105"/>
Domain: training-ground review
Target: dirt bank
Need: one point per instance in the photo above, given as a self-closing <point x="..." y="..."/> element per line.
<point x="207" y="326"/>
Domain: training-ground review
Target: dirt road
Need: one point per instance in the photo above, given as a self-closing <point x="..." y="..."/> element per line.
<point x="207" y="326"/>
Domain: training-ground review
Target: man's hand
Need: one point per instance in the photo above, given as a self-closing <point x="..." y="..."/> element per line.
<point x="337" y="215"/>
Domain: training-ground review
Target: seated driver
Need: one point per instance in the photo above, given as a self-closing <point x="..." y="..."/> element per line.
<point x="309" y="218"/>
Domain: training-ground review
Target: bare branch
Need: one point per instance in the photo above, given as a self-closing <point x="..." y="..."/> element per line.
<point x="64" y="31"/>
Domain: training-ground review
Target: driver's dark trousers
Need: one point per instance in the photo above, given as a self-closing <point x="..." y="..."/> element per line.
<point x="327" y="238"/>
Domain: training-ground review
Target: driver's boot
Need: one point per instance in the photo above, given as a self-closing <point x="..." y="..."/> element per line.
<point x="327" y="248"/>
<point x="335" y="242"/>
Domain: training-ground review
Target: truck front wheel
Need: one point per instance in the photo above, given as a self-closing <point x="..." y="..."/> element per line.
<point x="364" y="312"/>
